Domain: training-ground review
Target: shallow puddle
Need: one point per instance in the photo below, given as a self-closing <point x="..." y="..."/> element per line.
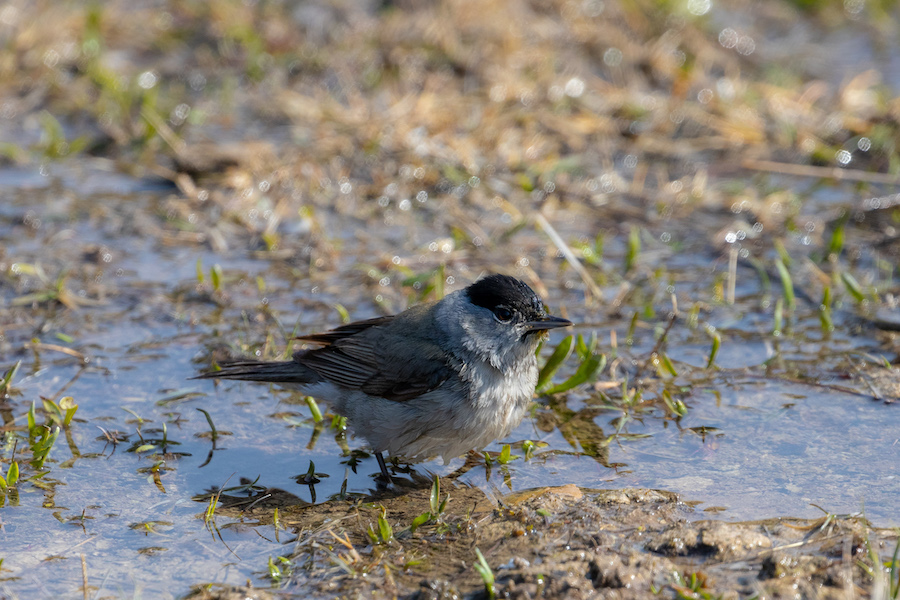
<point x="126" y="481"/>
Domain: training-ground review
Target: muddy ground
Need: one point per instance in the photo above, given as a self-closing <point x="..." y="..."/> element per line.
<point x="562" y="542"/>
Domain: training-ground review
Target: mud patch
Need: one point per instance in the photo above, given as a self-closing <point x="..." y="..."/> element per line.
<point x="562" y="542"/>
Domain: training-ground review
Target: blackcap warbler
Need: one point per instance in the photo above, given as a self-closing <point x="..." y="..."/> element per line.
<point x="437" y="379"/>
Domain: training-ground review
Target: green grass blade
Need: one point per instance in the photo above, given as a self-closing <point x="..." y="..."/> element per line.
<point x="435" y="498"/>
<point x="8" y="377"/>
<point x="32" y="420"/>
<point x="852" y="286"/>
<point x="528" y="448"/>
<point x="314" y="409"/>
<point x="634" y="248"/>
<point x="586" y="370"/>
<point x="787" y="284"/>
<point x="419" y="521"/>
<point x="667" y="365"/>
<point x="385" y="530"/>
<point x="215" y="276"/>
<point x="487" y="576"/>
<point x="836" y="244"/>
<point x="714" y="350"/>
<point x="506" y="455"/>
<point x="559" y="356"/>
<point x="783" y="253"/>
<point x="632" y="327"/>
<point x="778" y="327"/>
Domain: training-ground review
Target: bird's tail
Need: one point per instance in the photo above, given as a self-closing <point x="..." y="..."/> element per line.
<point x="287" y="371"/>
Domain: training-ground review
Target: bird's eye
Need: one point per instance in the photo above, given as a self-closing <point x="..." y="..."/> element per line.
<point x="503" y="314"/>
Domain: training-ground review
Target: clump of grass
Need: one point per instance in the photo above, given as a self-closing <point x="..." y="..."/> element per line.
<point x="590" y="364"/>
<point x="691" y="586"/>
<point x="62" y="413"/>
<point x="384" y="535"/>
<point x="339" y="423"/>
<point x="885" y="574"/>
<point x="42" y="440"/>
<point x="528" y="448"/>
<point x="506" y="455"/>
<point x="279" y="569"/>
<point x="209" y="515"/>
<point x="675" y="405"/>
<point x="50" y="291"/>
<point x="437" y="506"/>
<point x="215" y="276"/>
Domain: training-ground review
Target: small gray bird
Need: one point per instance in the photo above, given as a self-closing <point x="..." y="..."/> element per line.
<point x="437" y="379"/>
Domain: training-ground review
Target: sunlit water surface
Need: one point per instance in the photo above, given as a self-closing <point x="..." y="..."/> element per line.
<point x="748" y="448"/>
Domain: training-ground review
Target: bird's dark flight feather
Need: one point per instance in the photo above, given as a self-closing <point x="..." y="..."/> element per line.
<point x="327" y="338"/>
<point x="284" y="372"/>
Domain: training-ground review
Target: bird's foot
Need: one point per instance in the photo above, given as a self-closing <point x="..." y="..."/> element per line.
<point x="385" y="478"/>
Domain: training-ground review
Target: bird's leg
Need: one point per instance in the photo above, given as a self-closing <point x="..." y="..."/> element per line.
<point x="383" y="467"/>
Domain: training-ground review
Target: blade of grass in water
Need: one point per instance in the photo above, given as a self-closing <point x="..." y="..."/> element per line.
<point x="783" y="253"/>
<point x="314" y="409"/>
<point x="585" y="349"/>
<point x="666" y="365"/>
<point x="852" y="286"/>
<point x="559" y="356"/>
<point x="716" y="342"/>
<point x="8" y="377"/>
<point x="675" y="406"/>
<point x="586" y="370"/>
<point x="634" y="248"/>
<point x="215" y="277"/>
<point x="632" y="327"/>
<point x="787" y="284"/>
<point x="779" y="317"/>
<point x="836" y="244"/>
<point x="825" y="311"/>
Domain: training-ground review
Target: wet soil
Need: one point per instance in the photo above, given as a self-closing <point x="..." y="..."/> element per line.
<point x="561" y="542"/>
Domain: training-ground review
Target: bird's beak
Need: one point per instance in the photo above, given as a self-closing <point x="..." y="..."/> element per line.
<point x="548" y="322"/>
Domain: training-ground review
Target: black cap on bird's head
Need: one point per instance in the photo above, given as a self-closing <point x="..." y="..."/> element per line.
<point x="512" y="301"/>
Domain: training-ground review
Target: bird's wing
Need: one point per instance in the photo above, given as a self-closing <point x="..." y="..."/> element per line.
<point x="369" y="357"/>
<point x="344" y="331"/>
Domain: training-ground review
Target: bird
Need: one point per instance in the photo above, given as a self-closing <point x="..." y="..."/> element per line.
<point x="438" y="379"/>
